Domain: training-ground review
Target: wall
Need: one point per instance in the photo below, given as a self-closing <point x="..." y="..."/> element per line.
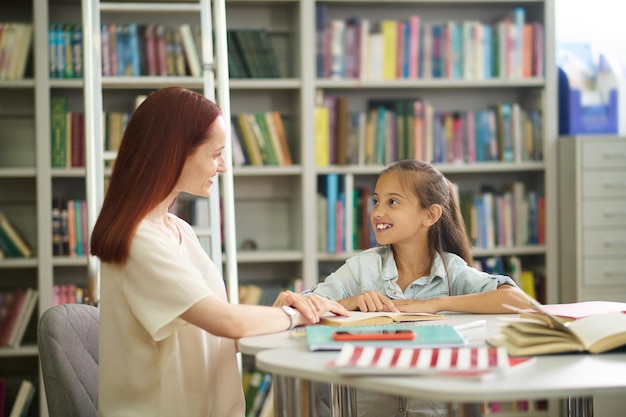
<point x="599" y="22"/>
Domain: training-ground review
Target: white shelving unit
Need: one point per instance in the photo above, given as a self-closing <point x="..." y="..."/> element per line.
<point x="592" y="178"/>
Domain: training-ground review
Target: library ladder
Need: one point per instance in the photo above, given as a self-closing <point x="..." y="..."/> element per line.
<point x="214" y="83"/>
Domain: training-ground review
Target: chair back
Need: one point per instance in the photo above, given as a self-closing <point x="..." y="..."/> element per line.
<point x="68" y="350"/>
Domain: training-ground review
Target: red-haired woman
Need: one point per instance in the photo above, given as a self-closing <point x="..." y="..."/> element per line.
<point x="167" y="332"/>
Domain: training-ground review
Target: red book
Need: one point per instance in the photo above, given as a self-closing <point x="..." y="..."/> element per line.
<point x="149" y="50"/>
<point x="10" y="320"/>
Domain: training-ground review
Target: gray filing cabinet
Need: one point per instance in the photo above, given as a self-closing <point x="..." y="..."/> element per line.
<point x="592" y="218"/>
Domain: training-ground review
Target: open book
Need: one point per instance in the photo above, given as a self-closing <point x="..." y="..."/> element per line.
<point x="481" y="361"/>
<point x="540" y="332"/>
<point x="360" y="318"/>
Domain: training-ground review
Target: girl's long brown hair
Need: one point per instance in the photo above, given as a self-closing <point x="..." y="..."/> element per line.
<point x="431" y="187"/>
<point x="164" y="130"/>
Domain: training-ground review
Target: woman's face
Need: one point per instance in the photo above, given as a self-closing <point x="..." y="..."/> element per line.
<point x="202" y="166"/>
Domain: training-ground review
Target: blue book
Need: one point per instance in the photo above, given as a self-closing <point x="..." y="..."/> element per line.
<point x="332" y="195"/>
<point x="320" y="337"/>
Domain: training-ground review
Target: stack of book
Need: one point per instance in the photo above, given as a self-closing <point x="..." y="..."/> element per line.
<point x="594" y="327"/>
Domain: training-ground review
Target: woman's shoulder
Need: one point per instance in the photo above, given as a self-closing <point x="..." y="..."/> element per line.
<point x="182" y="224"/>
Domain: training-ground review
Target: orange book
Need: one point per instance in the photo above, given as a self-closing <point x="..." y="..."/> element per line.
<point x="71" y="228"/>
<point x="280" y="131"/>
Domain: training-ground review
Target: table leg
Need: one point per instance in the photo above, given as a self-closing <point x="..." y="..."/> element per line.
<point x="580" y="406"/>
<point x="342" y="401"/>
<point x="286" y="396"/>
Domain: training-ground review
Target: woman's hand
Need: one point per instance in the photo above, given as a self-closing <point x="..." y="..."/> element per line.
<point x="369" y="301"/>
<point x="311" y="307"/>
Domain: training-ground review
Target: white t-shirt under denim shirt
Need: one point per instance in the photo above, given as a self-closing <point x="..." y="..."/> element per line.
<point x="375" y="270"/>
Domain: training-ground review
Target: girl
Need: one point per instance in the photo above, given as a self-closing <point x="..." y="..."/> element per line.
<point x="422" y="265"/>
<point x="423" y="261"/>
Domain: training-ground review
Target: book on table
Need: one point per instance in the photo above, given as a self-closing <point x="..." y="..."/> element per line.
<point x="466" y="361"/>
<point x="574" y="311"/>
<point x="320" y="337"/>
<point x="539" y="332"/>
<point x="360" y="318"/>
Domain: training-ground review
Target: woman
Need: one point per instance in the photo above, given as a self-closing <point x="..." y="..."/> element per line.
<point x="167" y="332"/>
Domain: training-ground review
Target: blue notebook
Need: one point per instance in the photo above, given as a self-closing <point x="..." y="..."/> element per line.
<point x="320" y="337"/>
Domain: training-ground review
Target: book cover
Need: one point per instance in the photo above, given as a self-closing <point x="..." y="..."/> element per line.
<point x="481" y="361"/>
<point x="320" y="337"/>
<point x="24" y="317"/>
<point x="23" y="400"/>
<point x="58" y="126"/>
<point x="12" y="315"/>
<point x="582" y="309"/>
<point x="191" y="51"/>
<point x="16" y="240"/>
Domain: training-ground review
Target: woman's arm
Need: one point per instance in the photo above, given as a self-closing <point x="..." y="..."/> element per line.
<point x="238" y="320"/>
<point x="488" y="302"/>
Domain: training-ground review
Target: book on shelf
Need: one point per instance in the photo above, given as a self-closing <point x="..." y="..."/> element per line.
<point x="541" y="332"/>
<point x="23" y="400"/>
<point x="257" y="386"/>
<point x="58" y="134"/>
<point x="320" y="337"/>
<point x="191" y="50"/>
<point x="12" y="239"/>
<point x="23" y="318"/>
<point x="467" y="361"/>
<point x="14" y="303"/>
<point x="360" y="318"/>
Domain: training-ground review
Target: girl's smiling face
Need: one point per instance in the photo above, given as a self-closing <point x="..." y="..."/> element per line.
<point x="397" y="215"/>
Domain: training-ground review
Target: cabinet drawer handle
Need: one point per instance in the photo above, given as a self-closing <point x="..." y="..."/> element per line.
<point x="614" y="155"/>
<point x="614" y="213"/>
<point x="615" y="184"/>
<point x="614" y="273"/>
<point x="615" y="243"/>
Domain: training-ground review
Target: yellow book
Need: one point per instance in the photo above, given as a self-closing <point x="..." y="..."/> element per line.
<point x="527" y="283"/>
<point x="322" y="137"/>
<point x="249" y="140"/>
<point x="390" y="46"/>
<point x="360" y="318"/>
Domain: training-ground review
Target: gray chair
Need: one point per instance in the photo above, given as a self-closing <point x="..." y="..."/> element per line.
<point x="68" y="351"/>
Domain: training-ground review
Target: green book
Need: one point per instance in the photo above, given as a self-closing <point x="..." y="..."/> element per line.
<point x="58" y="131"/>
<point x="320" y="337"/>
<point x="272" y="156"/>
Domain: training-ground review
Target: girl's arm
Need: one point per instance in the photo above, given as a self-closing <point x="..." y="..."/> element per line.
<point x="488" y="302"/>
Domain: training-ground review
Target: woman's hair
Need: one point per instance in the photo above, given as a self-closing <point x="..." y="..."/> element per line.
<point x="431" y="187"/>
<point x="164" y="130"/>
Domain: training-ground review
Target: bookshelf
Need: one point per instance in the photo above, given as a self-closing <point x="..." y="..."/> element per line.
<point x="285" y="196"/>
<point x="275" y="206"/>
<point x="294" y="198"/>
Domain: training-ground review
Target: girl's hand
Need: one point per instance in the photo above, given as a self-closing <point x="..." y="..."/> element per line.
<point x="310" y="306"/>
<point x="369" y="301"/>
